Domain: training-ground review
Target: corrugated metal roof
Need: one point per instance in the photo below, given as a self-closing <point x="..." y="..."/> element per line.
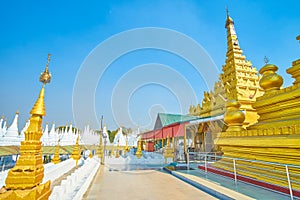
<point x="167" y="119"/>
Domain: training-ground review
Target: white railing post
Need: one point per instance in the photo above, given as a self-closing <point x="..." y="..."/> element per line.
<point x="234" y="169"/>
<point x="188" y="159"/>
<point x="215" y="157"/>
<point x="205" y="163"/>
<point x="289" y="181"/>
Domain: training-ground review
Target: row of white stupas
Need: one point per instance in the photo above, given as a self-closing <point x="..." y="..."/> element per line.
<point x="120" y="138"/>
<point x="67" y="136"/>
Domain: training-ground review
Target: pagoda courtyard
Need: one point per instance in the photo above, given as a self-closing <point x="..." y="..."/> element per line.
<point x="241" y="142"/>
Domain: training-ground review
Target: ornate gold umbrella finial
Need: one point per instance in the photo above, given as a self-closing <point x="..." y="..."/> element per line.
<point x="46" y="75"/>
<point x="266" y="60"/>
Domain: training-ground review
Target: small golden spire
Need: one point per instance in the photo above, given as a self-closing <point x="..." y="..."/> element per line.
<point x="56" y="158"/>
<point x="17" y="112"/>
<point x="227" y="13"/>
<point x="39" y="106"/>
<point x="298" y="38"/>
<point x="76" y="152"/>
<point x="229" y="20"/>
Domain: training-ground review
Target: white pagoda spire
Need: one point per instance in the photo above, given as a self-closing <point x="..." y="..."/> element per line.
<point x="4" y="128"/>
<point x="22" y="135"/>
<point x="13" y="130"/>
<point x="1" y="129"/>
<point x="45" y="136"/>
<point x="53" y="136"/>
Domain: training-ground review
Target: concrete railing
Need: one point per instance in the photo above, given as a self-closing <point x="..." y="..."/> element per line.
<point x="54" y="171"/>
<point x="77" y="183"/>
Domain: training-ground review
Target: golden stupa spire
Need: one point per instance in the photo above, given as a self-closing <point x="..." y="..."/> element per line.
<point x="39" y="106"/>
<point x="240" y="79"/>
<point x="229" y="20"/>
<point x="25" y="178"/>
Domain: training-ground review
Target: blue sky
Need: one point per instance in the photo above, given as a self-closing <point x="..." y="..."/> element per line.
<point x="70" y="30"/>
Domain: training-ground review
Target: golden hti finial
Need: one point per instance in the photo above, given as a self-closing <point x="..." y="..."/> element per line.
<point x="46" y="76"/>
<point x="266" y="60"/>
<point x="298" y="38"/>
<point x="39" y="106"/>
<point x="227" y="13"/>
<point x="229" y="20"/>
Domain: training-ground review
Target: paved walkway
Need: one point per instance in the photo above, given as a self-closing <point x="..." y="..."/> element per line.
<point x="142" y="185"/>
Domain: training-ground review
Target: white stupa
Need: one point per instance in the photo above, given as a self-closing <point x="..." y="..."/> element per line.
<point x="67" y="137"/>
<point x="22" y="134"/>
<point x="11" y="137"/>
<point x="120" y="138"/>
<point x="4" y="128"/>
<point x="133" y="138"/>
<point x="105" y="135"/>
<point x="53" y="136"/>
<point x="1" y="129"/>
<point x="45" y="136"/>
<point x="89" y="137"/>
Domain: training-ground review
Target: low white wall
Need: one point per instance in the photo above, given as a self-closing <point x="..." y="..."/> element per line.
<point x="78" y="182"/>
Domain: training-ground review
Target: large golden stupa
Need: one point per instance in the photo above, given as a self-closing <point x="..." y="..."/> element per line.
<point x="24" y="180"/>
<point x="261" y="118"/>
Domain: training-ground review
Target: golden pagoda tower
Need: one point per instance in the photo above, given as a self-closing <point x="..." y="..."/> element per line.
<point x="76" y="152"/>
<point x="274" y="138"/>
<point x="168" y="151"/>
<point x="239" y="81"/>
<point x="56" y="158"/>
<point x="139" y="152"/>
<point x="239" y="78"/>
<point x="24" y="179"/>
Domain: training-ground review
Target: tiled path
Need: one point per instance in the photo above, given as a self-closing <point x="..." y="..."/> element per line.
<point x="142" y="185"/>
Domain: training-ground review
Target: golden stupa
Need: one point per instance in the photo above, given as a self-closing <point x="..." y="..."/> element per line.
<point x="76" y="152"/>
<point x="24" y="180"/>
<point x="56" y="158"/>
<point x="261" y="118"/>
<point x="139" y="152"/>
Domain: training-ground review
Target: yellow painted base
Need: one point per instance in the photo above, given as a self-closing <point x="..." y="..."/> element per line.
<point x="283" y="149"/>
<point x="40" y="192"/>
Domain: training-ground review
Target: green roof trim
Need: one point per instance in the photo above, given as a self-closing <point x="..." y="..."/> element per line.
<point x="167" y="119"/>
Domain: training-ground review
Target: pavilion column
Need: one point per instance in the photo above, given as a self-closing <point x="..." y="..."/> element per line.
<point x="173" y="143"/>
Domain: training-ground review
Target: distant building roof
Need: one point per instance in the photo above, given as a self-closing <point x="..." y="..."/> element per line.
<point x="164" y="119"/>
